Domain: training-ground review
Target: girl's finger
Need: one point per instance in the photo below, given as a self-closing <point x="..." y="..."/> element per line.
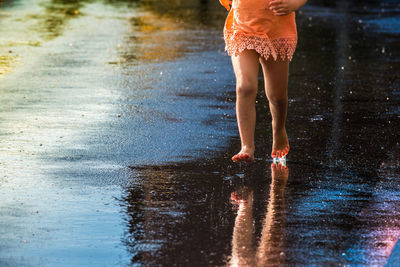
<point x="276" y="11"/>
<point x="274" y="8"/>
<point x="274" y="2"/>
<point x="280" y="7"/>
<point x="275" y="5"/>
<point x="280" y="11"/>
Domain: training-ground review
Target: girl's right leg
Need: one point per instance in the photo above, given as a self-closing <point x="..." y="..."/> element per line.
<point x="246" y="66"/>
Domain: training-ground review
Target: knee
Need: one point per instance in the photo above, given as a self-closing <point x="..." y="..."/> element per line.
<point x="246" y="90"/>
<point x="278" y="100"/>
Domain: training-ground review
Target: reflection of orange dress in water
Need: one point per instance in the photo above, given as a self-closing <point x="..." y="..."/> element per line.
<point x="252" y="25"/>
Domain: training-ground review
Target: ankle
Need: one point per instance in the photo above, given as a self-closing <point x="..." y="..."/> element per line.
<point x="247" y="147"/>
<point x="279" y="129"/>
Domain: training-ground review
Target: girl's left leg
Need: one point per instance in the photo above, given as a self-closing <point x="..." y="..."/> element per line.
<point x="276" y="80"/>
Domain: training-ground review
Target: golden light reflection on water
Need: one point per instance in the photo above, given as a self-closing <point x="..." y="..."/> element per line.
<point x="151" y="39"/>
<point x="7" y="62"/>
<point x="162" y="30"/>
<point x="193" y="13"/>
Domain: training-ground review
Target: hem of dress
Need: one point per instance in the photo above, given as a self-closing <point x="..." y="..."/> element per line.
<point x="236" y="42"/>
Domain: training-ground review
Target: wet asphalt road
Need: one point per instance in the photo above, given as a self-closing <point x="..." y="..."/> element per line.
<point x="117" y="126"/>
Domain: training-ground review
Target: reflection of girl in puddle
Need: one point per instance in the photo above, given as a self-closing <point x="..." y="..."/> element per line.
<point x="261" y="31"/>
<point x="269" y="251"/>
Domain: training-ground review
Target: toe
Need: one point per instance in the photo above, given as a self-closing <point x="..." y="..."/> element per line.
<point x="283" y="152"/>
<point x="233" y="196"/>
<point x="240" y="157"/>
<point x="243" y="156"/>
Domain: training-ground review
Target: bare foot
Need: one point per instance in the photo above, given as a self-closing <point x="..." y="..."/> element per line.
<point x="280" y="147"/>
<point x="279" y="171"/>
<point x="246" y="154"/>
<point x="279" y="175"/>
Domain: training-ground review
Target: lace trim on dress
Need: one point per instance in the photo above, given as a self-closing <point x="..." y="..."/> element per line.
<point x="237" y="41"/>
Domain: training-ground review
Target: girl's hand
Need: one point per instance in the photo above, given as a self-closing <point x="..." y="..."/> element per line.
<point x="282" y="7"/>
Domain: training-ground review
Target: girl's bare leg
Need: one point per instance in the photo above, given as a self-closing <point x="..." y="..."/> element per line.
<point x="276" y="79"/>
<point x="243" y="253"/>
<point x="272" y="240"/>
<point x="246" y="66"/>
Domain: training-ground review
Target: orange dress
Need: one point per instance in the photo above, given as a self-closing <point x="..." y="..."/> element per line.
<point x="252" y="25"/>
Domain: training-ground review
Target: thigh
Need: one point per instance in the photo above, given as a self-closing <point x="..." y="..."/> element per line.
<point x="275" y="77"/>
<point x="246" y="66"/>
